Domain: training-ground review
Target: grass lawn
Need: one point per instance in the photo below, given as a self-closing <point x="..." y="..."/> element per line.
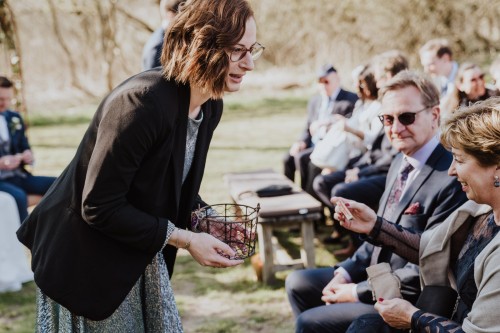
<point x="253" y="134"/>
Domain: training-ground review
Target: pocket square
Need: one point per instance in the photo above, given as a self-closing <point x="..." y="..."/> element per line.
<point x="413" y="209"/>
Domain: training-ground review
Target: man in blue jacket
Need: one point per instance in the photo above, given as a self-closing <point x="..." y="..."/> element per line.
<point x="15" y="154"/>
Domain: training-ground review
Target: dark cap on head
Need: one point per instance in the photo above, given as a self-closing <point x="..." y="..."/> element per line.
<point x="325" y="70"/>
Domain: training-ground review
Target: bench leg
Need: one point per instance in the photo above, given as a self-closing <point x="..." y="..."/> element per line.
<point x="307" y="249"/>
<point x="265" y="234"/>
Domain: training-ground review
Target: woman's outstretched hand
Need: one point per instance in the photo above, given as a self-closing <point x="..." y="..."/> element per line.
<point x="209" y="251"/>
<point x="363" y="217"/>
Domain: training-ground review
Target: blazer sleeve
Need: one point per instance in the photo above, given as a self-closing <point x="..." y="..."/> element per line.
<point x="356" y="265"/>
<point x="128" y="130"/>
<point x="344" y="108"/>
<point x="306" y="134"/>
<point x="483" y="316"/>
<point x="198" y="203"/>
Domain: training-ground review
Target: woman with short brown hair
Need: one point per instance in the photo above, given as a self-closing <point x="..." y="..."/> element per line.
<point x="104" y="238"/>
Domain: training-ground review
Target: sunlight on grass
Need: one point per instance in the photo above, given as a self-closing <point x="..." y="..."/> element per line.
<point x="17" y="310"/>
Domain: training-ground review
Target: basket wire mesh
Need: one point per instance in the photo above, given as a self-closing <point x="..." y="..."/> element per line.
<point x="235" y="225"/>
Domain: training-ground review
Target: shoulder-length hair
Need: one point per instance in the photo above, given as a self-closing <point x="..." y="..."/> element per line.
<point x="195" y="50"/>
<point x="475" y="129"/>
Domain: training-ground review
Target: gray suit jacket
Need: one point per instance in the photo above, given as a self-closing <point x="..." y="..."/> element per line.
<point x="438" y="195"/>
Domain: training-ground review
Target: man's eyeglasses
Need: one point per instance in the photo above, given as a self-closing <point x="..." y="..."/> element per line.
<point x="238" y="53"/>
<point x="405" y="118"/>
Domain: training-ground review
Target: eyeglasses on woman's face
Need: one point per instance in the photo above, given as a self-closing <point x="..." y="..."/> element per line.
<point x="239" y="52"/>
<point x="405" y="118"/>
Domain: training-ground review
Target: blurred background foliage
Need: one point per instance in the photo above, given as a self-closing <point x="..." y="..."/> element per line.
<point x="74" y="51"/>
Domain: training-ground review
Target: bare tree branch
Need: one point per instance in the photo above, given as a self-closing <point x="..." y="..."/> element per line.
<point x="72" y="67"/>
<point x="135" y="19"/>
<point x="108" y="40"/>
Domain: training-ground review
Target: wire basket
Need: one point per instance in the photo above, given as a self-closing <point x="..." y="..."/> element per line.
<point x="235" y="225"/>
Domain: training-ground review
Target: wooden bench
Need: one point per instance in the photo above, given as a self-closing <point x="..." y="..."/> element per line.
<point x="296" y="209"/>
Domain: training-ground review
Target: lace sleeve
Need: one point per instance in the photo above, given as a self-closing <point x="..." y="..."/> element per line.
<point x="170" y="231"/>
<point x="404" y="242"/>
<point x="424" y="322"/>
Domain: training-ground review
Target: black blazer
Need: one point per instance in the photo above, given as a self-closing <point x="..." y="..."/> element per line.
<point x="105" y="218"/>
<point x="438" y="195"/>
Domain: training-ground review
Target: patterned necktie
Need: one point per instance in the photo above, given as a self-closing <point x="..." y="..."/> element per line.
<point x="397" y="189"/>
<point x="384" y="254"/>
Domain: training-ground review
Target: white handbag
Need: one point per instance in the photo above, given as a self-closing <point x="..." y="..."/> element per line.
<point x="333" y="150"/>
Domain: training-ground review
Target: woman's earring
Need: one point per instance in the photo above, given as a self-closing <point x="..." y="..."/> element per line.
<point x="497" y="182"/>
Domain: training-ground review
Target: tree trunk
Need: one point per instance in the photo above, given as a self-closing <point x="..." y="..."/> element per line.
<point x="10" y="39"/>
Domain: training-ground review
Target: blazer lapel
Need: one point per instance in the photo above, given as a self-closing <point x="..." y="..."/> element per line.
<point x="316" y="105"/>
<point x="195" y="175"/>
<point x="179" y="148"/>
<point x="8" y="121"/>
<point x="13" y="134"/>
<point x="421" y="178"/>
<point x="435" y="244"/>
<point x="341" y="96"/>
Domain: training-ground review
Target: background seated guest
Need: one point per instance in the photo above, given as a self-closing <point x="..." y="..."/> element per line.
<point x="364" y="123"/>
<point x="436" y="58"/>
<point x="15" y="154"/>
<point x="331" y="100"/>
<point x="462" y="252"/>
<point x="418" y="194"/>
<point x="14" y="265"/>
<point x="152" y="50"/>
<point x="470" y="87"/>
<point x="387" y="64"/>
<point x="348" y="138"/>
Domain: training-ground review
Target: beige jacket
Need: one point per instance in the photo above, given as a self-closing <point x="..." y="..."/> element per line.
<point x="435" y="269"/>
